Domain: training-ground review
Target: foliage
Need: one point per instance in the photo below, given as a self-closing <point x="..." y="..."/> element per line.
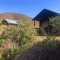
<point x="55" y="22"/>
<point x="2" y="40"/>
<point x="49" y="44"/>
<point x="42" y="51"/>
<point x="21" y="35"/>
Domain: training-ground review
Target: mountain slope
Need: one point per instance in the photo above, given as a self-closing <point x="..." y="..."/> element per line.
<point x="15" y="16"/>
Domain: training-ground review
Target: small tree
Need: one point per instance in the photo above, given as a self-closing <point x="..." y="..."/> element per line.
<point x="55" y="31"/>
<point x="21" y="33"/>
<point x="25" y="31"/>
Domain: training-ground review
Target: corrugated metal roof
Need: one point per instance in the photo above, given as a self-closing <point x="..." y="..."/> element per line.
<point x="11" y="21"/>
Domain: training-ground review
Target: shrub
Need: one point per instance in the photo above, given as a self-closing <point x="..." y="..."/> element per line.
<point x="49" y="50"/>
<point x="21" y="35"/>
<point x="55" y="23"/>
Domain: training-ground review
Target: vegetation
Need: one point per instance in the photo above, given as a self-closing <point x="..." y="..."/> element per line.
<point x="42" y="51"/>
<point x="20" y="35"/>
<point x="55" y="25"/>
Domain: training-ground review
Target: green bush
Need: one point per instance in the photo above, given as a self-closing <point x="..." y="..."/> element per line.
<point x="48" y="49"/>
<point x="55" y="23"/>
<point x="20" y="35"/>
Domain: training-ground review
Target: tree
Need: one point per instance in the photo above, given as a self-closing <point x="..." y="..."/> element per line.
<point x="25" y="31"/>
<point x="21" y="33"/>
<point x="55" y="23"/>
<point x="21" y="36"/>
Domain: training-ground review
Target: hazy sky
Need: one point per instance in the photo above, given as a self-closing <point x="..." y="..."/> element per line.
<point x="29" y="7"/>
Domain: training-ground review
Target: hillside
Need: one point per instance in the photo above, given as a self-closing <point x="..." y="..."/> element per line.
<point x="16" y="16"/>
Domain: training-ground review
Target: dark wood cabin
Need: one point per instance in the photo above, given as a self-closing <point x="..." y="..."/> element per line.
<point x="42" y="20"/>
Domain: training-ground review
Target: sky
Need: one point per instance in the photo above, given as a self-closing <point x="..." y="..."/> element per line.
<point x="28" y="7"/>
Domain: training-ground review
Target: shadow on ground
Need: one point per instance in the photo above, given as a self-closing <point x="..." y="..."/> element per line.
<point x="42" y="51"/>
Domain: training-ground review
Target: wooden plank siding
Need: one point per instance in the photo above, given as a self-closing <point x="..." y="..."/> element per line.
<point x="36" y="24"/>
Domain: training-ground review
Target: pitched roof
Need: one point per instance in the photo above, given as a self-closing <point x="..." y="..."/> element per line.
<point x="45" y="14"/>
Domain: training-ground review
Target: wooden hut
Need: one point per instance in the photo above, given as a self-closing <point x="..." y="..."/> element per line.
<point x="42" y="19"/>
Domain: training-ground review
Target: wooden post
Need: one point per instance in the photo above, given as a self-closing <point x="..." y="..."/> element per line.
<point x="34" y="23"/>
